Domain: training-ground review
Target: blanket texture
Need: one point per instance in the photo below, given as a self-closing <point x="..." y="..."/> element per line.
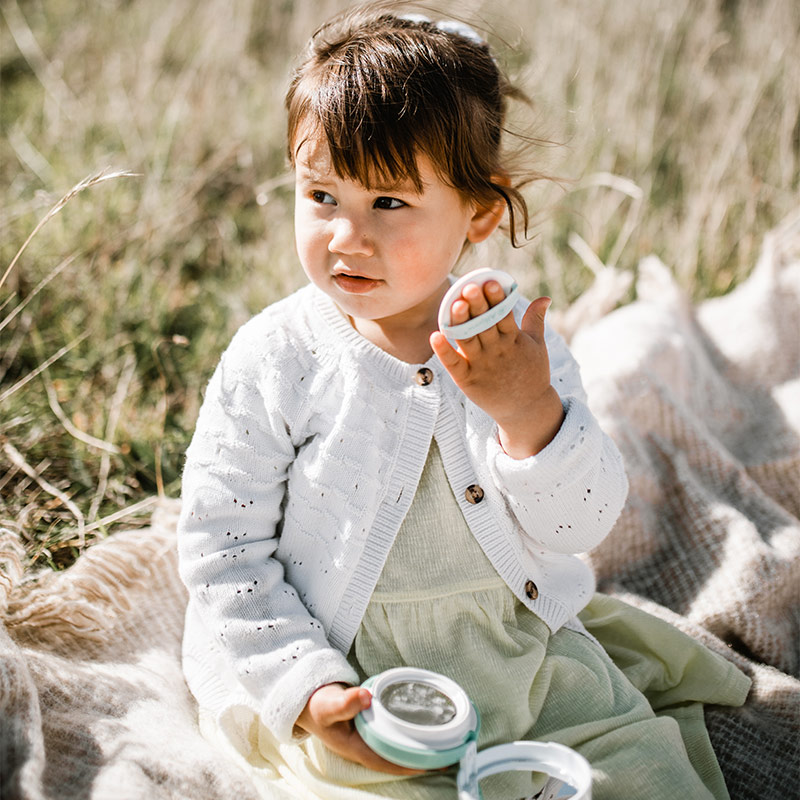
<point x="704" y="403"/>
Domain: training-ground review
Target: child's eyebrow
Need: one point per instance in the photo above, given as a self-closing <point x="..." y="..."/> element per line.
<point x="404" y="186"/>
<point x="308" y="173"/>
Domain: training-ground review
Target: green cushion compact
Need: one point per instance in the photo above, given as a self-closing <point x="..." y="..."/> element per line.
<point x="423" y="720"/>
<point x="418" y="718"/>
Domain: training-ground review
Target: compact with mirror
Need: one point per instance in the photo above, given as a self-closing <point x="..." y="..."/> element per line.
<point x="424" y="720"/>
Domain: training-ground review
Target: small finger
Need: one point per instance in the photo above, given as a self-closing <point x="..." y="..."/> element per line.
<point x="473" y="295"/>
<point x="346" y="706"/>
<point x="459" y="312"/>
<point x="494" y="292"/>
<point x="533" y="321"/>
<point x="476" y="297"/>
<point x="453" y="361"/>
<point x="343" y="739"/>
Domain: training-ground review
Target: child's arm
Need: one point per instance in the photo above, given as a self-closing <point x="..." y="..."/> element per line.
<point x="233" y="490"/>
<point x="560" y="475"/>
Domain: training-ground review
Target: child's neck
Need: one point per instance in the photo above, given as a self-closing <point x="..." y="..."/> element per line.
<point x="411" y="345"/>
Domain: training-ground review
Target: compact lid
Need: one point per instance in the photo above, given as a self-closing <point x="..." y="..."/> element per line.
<point x="571" y="769"/>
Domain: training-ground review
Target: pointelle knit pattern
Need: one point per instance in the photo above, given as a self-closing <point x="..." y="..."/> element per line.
<point x="306" y="456"/>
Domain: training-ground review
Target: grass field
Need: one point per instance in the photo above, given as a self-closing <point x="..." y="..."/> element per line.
<point x="675" y="125"/>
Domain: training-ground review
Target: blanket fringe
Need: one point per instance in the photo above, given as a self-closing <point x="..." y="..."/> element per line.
<point x="103" y="584"/>
<point x="12" y="559"/>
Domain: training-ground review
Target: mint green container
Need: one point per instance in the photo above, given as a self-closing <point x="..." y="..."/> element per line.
<point x="418" y="719"/>
<point x="423" y="720"/>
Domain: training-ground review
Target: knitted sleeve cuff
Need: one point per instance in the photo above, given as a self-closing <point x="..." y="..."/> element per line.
<point x="290" y="694"/>
<point x="573" y="450"/>
<point x="568" y="496"/>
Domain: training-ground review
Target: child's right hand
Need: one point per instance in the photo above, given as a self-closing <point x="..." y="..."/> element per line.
<point x="329" y="715"/>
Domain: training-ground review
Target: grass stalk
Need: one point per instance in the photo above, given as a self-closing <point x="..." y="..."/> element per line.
<point x="105" y="174"/>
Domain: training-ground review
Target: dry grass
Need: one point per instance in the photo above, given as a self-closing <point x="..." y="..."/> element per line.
<point x="680" y="129"/>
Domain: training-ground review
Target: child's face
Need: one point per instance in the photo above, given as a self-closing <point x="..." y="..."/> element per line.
<point x="382" y="254"/>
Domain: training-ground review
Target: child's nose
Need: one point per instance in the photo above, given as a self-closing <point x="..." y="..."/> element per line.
<point x="350" y="235"/>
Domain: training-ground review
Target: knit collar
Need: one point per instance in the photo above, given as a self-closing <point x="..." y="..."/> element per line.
<point x="339" y="325"/>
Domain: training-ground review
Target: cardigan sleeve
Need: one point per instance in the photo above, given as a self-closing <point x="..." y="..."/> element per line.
<point x="566" y="497"/>
<point x="234" y="484"/>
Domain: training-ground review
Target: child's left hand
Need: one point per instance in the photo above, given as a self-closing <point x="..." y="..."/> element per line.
<point x="505" y="370"/>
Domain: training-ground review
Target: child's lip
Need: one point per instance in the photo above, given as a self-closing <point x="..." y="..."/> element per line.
<point x="355" y="284"/>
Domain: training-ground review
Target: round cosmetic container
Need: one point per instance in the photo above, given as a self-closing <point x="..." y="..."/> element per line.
<point x="418" y="718"/>
<point x="423" y="720"/>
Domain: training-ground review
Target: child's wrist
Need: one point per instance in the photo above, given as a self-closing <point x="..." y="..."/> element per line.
<point x="525" y="437"/>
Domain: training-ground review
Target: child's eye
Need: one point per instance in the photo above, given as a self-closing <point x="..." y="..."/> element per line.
<point x="388" y="203"/>
<point x="318" y="196"/>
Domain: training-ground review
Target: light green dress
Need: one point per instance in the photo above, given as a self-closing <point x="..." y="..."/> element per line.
<point x="440" y="605"/>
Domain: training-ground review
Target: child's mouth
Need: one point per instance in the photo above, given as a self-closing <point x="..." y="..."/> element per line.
<point x="355" y="284"/>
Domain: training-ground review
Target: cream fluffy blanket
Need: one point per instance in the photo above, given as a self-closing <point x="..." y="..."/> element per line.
<point x="705" y="405"/>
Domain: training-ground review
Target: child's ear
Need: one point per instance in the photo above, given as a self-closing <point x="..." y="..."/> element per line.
<point x="487" y="217"/>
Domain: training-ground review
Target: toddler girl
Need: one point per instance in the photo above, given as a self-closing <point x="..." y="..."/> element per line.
<point x="360" y="494"/>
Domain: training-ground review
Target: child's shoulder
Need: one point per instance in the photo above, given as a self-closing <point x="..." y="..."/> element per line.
<point x="283" y="320"/>
<point x="283" y="336"/>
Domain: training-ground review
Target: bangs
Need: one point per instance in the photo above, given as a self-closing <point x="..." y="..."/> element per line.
<point x="381" y="99"/>
<point x="360" y="148"/>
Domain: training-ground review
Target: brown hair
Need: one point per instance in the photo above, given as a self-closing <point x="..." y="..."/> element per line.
<point x="380" y="89"/>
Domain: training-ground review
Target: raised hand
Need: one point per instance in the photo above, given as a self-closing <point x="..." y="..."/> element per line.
<point x="505" y="370"/>
<point x="329" y="715"/>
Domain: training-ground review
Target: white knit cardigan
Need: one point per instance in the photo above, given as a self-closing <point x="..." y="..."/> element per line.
<point x="307" y="454"/>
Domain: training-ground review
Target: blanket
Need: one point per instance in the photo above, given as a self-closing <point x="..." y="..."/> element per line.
<point x="704" y="403"/>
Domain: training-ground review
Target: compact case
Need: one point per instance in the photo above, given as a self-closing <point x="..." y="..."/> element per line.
<point x="418" y="718"/>
<point x="423" y="720"/>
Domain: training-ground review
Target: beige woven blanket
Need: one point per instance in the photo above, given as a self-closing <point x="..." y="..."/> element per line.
<point x="705" y="405"/>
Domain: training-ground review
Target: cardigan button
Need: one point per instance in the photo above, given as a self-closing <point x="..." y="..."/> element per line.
<point x="424" y="376"/>
<point x="531" y="592"/>
<point x="474" y="493"/>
